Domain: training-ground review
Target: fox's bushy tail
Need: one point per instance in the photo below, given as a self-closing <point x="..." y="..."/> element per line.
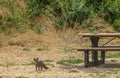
<point x="45" y="67"/>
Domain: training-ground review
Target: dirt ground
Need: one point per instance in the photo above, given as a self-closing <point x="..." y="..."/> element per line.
<point x="16" y="63"/>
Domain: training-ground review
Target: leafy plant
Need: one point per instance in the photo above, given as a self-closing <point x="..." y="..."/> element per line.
<point x="116" y="25"/>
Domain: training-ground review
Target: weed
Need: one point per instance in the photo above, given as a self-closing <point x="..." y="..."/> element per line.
<point x="117" y="76"/>
<point x="116" y="55"/>
<point x="26" y="49"/>
<point x="113" y="60"/>
<point x="52" y="65"/>
<point x="8" y="64"/>
<point x="21" y="77"/>
<point x="114" y="71"/>
<point x="102" y="76"/>
<point x="48" y="60"/>
<point x="67" y="50"/>
<point x="73" y="71"/>
<point x="70" y="61"/>
<point x="42" y="48"/>
<point x="31" y="63"/>
<point x="111" y="71"/>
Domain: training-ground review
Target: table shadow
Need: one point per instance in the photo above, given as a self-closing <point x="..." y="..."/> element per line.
<point x="95" y="69"/>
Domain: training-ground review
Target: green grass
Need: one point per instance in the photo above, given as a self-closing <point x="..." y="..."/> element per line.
<point x="68" y="50"/>
<point x="8" y="64"/>
<point x="73" y="71"/>
<point x="111" y="71"/>
<point x="48" y="60"/>
<point x="102" y="76"/>
<point x="113" y="60"/>
<point x="39" y="49"/>
<point x="43" y="48"/>
<point x="115" y="55"/>
<point x="31" y="63"/>
<point x="21" y="77"/>
<point x="49" y="64"/>
<point x="70" y="61"/>
<point x="26" y="49"/>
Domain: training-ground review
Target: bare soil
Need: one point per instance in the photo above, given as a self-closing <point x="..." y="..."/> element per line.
<point x="18" y="63"/>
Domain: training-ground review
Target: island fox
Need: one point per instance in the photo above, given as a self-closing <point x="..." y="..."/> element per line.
<point x="39" y="64"/>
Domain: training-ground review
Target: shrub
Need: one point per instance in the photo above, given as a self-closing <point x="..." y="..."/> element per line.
<point x="116" y="25"/>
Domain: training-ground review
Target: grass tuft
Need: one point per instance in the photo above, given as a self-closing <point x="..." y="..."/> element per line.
<point x="70" y="61"/>
<point x="113" y="60"/>
<point x="115" y="55"/>
<point x="26" y="49"/>
<point x="21" y="77"/>
<point x="48" y="60"/>
<point x="42" y="48"/>
<point x="68" y="50"/>
<point x="73" y="71"/>
<point x="31" y="63"/>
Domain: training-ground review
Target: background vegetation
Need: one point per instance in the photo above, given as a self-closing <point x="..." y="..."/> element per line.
<point x="15" y="17"/>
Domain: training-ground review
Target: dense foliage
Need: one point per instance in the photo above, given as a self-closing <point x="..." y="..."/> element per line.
<point x="61" y="11"/>
<point x="71" y="11"/>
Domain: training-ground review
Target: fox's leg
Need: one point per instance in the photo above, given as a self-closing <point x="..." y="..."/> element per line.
<point x="41" y="67"/>
<point x="36" y="67"/>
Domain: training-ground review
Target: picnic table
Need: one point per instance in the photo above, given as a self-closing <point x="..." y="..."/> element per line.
<point x="94" y="48"/>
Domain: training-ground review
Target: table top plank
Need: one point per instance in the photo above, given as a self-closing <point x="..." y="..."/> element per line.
<point x="100" y="34"/>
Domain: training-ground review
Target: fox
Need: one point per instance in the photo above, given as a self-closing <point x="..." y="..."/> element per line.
<point x="39" y="64"/>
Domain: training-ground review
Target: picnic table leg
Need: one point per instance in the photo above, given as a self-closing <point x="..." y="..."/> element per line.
<point x="94" y="41"/>
<point x="86" y="53"/>
<point x="102" y="57"/>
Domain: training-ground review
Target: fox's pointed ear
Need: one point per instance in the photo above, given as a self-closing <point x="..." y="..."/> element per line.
<point x="33" y="58"/>
<point x="37" y="58"/>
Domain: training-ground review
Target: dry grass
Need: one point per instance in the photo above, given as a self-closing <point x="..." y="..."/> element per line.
<point x="16" y="63"/>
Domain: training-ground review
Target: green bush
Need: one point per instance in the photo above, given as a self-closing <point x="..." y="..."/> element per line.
<point x="116" y="25"/>
<point x="62" y="12"/>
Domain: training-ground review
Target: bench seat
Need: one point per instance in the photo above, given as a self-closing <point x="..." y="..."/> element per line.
<point x="99" y="49"/>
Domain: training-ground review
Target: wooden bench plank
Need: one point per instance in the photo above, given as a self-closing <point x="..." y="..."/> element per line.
<point x="99" y="49"/>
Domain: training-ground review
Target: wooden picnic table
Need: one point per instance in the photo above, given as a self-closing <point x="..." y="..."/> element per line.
<point x="94" y="38"/>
